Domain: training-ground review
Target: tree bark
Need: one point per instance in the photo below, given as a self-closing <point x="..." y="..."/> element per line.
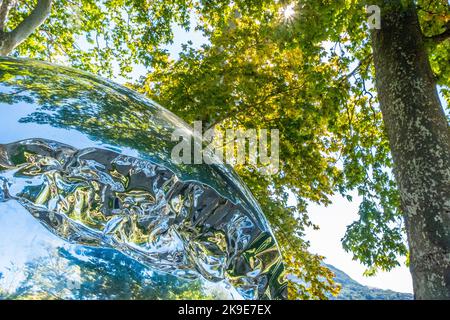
<point x="419" y="139"/>
<point x="10" y="40"/>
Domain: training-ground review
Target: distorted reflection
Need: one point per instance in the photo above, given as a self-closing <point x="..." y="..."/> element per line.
<point x="90" y="160"/>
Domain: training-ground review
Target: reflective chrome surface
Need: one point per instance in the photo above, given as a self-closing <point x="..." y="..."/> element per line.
<point x="92" y="207"/>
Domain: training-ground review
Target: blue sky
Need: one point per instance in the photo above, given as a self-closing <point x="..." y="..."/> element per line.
<point x="333" y="221"/>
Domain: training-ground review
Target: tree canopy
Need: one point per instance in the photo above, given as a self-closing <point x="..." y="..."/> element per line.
<point x="102" y="37"/>
<point x="303" y="67"/>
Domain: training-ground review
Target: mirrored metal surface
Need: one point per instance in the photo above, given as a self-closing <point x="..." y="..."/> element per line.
<point x="92" y="207"/>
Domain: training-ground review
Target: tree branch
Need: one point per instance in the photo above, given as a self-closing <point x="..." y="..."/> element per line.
<point x="26" y="27"/>
<point x="4" y="10"/>
<point x="438" y="38"/>
<point x="441" y="37"/>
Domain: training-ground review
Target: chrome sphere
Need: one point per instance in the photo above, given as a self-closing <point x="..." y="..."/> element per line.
<point x="93" y="207"/>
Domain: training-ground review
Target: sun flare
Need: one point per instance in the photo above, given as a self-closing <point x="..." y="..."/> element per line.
<point x="288" y="12"/>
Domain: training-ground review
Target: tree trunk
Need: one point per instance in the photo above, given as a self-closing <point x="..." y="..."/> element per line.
<point x="419" y="138"/>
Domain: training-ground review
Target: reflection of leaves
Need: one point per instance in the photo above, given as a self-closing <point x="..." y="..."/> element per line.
<point x="69" y="99"/>
<point x="15" y="97"/>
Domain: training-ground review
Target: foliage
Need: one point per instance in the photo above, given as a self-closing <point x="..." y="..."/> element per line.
<point x="104" y="37"/>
